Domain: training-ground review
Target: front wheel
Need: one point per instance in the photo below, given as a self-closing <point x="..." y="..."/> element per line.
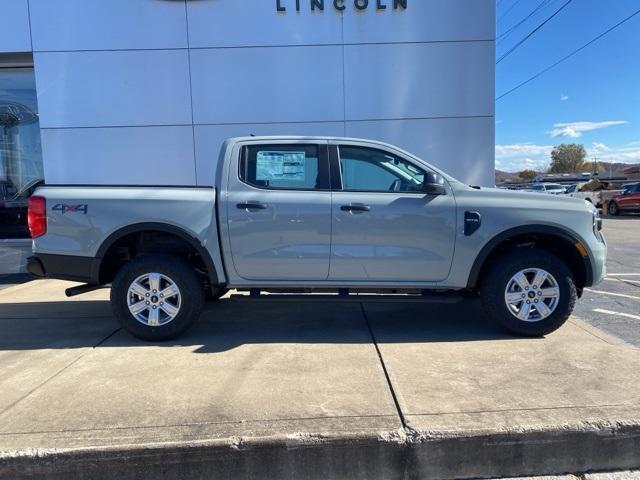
<point x="613" y="209"/>
<point x="529" y="292"/>
<point x="156" y="297"/>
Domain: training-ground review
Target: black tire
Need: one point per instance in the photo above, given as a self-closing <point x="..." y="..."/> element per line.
<point x="495" y="282"/>
<point x="613" y="209"/>
<point x="178" y="271"/>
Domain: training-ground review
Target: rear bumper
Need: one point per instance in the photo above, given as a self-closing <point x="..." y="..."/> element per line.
<point x="35" y="267"/>
<point x="65" y="267"/>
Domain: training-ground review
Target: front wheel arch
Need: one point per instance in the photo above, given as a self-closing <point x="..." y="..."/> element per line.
<point x="553" y="239"/>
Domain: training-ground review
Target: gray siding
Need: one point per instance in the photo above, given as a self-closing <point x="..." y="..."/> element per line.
<point x="123" y="99"/>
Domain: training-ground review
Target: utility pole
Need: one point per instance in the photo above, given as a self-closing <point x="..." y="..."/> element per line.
<point x="595" y="167"/>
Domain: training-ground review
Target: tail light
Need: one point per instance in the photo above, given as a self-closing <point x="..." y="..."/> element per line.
<point x="37" y="216"/>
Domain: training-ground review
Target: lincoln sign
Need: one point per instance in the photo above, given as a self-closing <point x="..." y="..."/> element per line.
<point x="339" y="5"/>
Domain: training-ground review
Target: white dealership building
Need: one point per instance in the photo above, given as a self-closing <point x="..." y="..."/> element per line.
<point x="142" y="92"/>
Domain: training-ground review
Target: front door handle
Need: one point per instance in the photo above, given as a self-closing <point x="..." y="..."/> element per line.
<point x="355" y="207"/>
<point x="252" y="206"/>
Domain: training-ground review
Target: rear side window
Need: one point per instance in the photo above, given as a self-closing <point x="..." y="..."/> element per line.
<point x="284" y="167"/>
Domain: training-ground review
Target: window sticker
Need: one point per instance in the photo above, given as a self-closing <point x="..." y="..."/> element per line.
<point x="288" y="166"/>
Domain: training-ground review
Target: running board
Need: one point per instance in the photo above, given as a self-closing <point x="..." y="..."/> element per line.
<point x="256" y="296"/>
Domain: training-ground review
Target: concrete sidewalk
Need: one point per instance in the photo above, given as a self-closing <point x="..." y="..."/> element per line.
<point x="307" y="391"/>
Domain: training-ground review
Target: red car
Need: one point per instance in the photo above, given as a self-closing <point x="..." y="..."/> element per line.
<point x="628" y="201"/>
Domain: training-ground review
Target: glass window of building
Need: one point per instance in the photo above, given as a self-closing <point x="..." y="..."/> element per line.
<point x="20" y="150"/>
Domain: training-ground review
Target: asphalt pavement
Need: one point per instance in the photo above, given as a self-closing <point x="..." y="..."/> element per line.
<point x="614" y="304"/>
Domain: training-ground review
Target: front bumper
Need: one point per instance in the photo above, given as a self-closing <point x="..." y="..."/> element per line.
<point x="598" y="260"/>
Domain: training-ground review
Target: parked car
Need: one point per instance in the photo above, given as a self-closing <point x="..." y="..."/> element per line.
<point x="598" y="197"/>
<point x="315" y="214"/>
<point x="552" y="188"/>
<point x="627" y="201"/>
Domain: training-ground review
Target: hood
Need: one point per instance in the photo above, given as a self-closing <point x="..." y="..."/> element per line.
<point x="536" y="199"/>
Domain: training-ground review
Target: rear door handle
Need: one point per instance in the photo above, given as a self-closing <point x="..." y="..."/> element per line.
<point x="252" y="206"/>
<point x="355" y="207"/>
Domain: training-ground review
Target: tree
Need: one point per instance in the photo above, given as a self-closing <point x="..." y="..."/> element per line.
<point x="568" y="158"/>
<point x="590" y="167"/>
<point x="527" y="175"/>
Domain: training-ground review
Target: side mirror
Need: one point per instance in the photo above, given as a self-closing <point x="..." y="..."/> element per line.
<point x="433" y="184"/>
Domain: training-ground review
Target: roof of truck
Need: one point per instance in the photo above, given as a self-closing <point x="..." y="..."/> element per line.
<point x="305" y="137"/>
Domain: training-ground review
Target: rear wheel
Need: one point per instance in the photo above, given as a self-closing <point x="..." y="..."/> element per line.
<point x="613" y="209"/>
<point x="156" y="297"/>
<point x="529" y="292"/>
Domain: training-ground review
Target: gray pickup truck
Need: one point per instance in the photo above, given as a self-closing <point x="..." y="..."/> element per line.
<point x="345" y="219"/>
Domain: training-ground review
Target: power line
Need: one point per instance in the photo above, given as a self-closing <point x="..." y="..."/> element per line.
<point x="503" y="36"/>
<point x="515" y="47"/>
<point x="508" y="10"/>
<point x="542" y="72"/>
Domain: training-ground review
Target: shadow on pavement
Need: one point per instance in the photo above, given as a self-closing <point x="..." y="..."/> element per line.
<point x="226" y="325"/>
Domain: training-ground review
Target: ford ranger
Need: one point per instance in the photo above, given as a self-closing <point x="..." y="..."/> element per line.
<point x="345" y="219"/>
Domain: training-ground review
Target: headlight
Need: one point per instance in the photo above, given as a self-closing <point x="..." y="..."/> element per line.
<point x="597" y="223"/>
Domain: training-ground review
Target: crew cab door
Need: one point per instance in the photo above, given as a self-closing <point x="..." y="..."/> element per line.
<point x="385" y="229"/>
<point x="278" y="203"/>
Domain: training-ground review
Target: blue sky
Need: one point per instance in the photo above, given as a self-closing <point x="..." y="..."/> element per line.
<point x="593" y="98"/>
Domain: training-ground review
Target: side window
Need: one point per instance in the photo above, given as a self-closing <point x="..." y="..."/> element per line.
<point x="370" y="170"/>
<point x="288" y="167"/>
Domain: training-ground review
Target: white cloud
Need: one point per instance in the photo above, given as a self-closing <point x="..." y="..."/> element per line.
<point x="576" y="129"/>
<point x="518" y="157"/>
<point x="617" y="155"/>
<point x="600" y="147"/>
<point x="522" y="149"/>
<point x="564" y="98"/>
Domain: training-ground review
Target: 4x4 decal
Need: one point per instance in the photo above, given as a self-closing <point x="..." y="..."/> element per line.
<point x="70" y="208"/>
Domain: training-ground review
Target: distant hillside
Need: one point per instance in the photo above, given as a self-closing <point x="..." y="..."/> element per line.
<point x="502" y="177"/>
<point x="629" y="170"/>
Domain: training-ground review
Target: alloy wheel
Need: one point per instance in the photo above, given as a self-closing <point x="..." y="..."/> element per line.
<point x="532" y="295"/>
<point x="154" y="299"/>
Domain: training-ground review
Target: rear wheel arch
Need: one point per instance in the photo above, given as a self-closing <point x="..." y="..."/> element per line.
<point x="556" y="240"/>
<point x="105" y="270"/>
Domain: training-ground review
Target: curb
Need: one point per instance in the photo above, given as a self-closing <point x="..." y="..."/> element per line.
<point x="401" y="454"/>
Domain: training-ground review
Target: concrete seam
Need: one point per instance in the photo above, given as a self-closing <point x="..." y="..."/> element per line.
<point x="101" y="342"/>
<point x="384" y="368"/>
